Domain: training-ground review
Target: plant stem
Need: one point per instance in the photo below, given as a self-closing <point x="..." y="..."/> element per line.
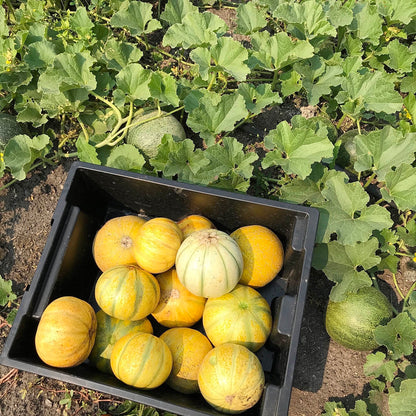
<point x="396" y="285"/>
<point x="406" y="298"/>
<point x="341" y="120"/>
<point x="369" y="180"/>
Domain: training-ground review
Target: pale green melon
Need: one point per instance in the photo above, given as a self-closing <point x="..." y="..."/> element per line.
<point x="148" y="136"/>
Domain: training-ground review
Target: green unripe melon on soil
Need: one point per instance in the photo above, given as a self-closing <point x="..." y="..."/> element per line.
<point x="148" y="136"/>
<point x="9" y="128"/>
<point x="351" y="322"/>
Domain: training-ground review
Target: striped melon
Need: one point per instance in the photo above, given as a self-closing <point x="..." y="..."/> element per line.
<point x="351" y="322"/>
<point x="231" y="378"/>
<point x="141" y="360"/>
<point x="188" y="347"/>
<point x="209" y="263"/>
<point x="127" y="292"/>
<point x="177" y="306"/>
<point x="241" y="316"/>
<point x="109" y="331"/>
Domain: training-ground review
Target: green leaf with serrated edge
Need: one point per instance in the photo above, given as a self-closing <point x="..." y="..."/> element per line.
<point x="408" y="233"/>
<point x="6" y="292"/>
<point x="230" y="56"/>
<point x="389" y="262"/>
<point x="387" y="240"/>
<point x="176" y="10"/>
<point x="258" y="97"/>
<point x="382" y="150"/>
<point x="403" y="402"/>
<point x="397" y="335"/>
<point x="4" y="29"/>
<point x="136" y="16"/>
<point x="164" y="88"/>
<point x="300" y="191"/>
<point x="367" y="22"/>
<point x="377" y="365"/>
<point x="318" y="78"/>
<point x="86" y="152"/>
<point x="216" y="114"/>
<point x="345" y="212"/>
<point x="181" y="159"/>
<point x="133" y="80"/>
<point x="338" y="14"/>
<point x="397" y="10"/>
<point x="277" y="51"/>
<point x="21" y="151"/>
<point x="80" y="22"/>
<point x="40" y="54"/>
<point x="202" y="57"/>
<point x="290" y="82"/>
<point x="400" y="186"/>
<point x="360" y="409"/>
<point x="321" y="125"/>
<point x="334" y="409"/>
<point x="250" y="18"/>
<point x="351" y="282"/>
<point x="31" y="112"/>
<point x="401" y="58"/>
<point x="118" y="54"/>
<point x="408" y="83"/>
<point x="295" y="150"/>
<point x="410" y="306"/>
<point x="69" y="71"/>
<point x="336" y="259"/>
<point x="230" y="157"/>
<point x="126" y="157"/>
<point x="371" y="91"/>
<point x="196" y="29"/>
<point x="410" y="104"/>
<point x="308" y="18"/>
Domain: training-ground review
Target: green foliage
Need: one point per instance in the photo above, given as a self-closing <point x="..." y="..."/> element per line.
<point x="92" y="69"/>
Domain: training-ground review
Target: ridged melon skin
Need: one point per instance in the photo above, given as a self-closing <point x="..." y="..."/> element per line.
<point x="351" y="322"/>
<point x="148" y="136"/>
<point x="9" y="128"/>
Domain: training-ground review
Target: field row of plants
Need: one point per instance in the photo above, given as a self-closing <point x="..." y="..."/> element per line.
<point x="79" y="75"/>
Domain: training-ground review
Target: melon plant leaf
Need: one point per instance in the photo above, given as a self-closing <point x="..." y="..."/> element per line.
<point x="258" y="97"/>
<point x="382" y="150"/>
<point x="403" y="402"/>
<point x="410" y="104"/>
<point x="345" y="213"/>
<point x="397" y="10"/>
<point x="401" y="58"/>
<point x="277" y="51"/>
<point x="41" y="53"/>
<point x="377" y="365"/>
<point x="70" y="70"/>
<point x="318" y="78"/>
<point x="408" y="233"/>
<point x="230" y="157"/>
<point x="250" y="18"/>
<point x="6" y="292"/>
<point x="86" y="152"/>
<point x="126" y="157"/>
<point x="367" y="22"/>
<point x="371" y="91"/>
<point x="133" y="80"/>
<point x="181" y="159"/>
<point x="80" y="22"/>
<point x="308" y="19"/>
<point x="216" y="114"/>
<point x="295" y="150"/>
<point x="290" y="82"/>
<point x="408" y="83"/>
<point x="334" y="408"/>
<point x="163" y="87"/>
<point x="4" y="29"/>
<point x="202" y="57"/>
<point x="397" y="335"/>
<point x="230" y="56"/>
<point x="119" y="54"/>
<point x="339" y="15"/>
<point x="400" y="187"/>
<point x="136" y="16"/>
<point x="196" y="29"/>
<point x="21" y="151"/>
<point x="176" y="10"/>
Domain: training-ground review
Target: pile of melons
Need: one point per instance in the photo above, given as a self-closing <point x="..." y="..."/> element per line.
<point x="178" y="274"/>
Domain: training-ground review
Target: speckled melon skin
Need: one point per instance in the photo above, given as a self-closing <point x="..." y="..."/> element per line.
<point x="148" y="136"/>
<point x="351" y="322"/>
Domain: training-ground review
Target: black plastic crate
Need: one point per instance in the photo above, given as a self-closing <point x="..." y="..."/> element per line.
<point x="93" y="194"/>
